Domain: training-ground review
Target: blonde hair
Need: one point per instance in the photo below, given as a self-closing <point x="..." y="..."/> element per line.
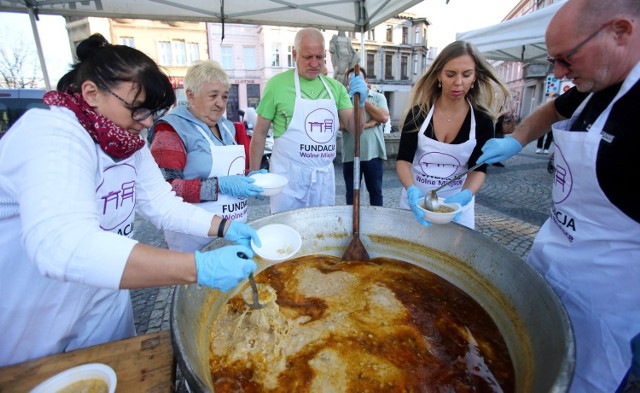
<point x="204" y="71"/>
<point x="488" y="95"/>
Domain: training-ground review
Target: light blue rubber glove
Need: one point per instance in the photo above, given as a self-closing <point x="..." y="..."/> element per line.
<point x="358" y="85"/>
<point x="499" y="149"/>
<point x="224" y="268"/>
<point x="262" y="171"/>
<point x="463" y="197"/>
<point x="414" y="194"/>
<point x="242" y="234"/>
<point x="238" y="186"/>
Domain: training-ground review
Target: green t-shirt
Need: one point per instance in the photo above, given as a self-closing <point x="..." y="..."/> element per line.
<point x="372" y="139"/>
<point x="279" y="96"/>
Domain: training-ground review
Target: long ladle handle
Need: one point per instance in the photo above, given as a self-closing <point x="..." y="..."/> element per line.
<point x="456" y="177"/>
<point x="356" y="157"/>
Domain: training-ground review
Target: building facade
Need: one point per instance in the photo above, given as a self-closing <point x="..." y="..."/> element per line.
<point x="395" y="53"/>
<point x="527" y="81"/>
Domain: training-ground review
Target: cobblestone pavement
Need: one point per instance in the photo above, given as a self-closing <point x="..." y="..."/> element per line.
<point x="510" y="208"/>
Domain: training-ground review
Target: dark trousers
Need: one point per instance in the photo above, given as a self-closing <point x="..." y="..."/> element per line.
<point x="546" y="143"/>
<point x="372" y="172"/>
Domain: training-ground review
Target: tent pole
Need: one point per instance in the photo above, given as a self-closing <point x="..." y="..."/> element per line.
<point x="36" y="37"/>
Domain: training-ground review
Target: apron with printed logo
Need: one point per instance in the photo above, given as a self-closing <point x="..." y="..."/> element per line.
<point x="304" y="154"/>
<point x="225" y="161"/>
<point x="588" y="251"/>
<point x="436" y="162"/>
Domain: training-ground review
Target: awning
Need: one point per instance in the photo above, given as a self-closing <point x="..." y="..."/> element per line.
<point x="346" y="15"/>
<point x="518" y="39"/>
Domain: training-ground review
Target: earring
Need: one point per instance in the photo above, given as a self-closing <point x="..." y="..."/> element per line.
<point x="472" y="84"/>
<point x="439" y="84"/>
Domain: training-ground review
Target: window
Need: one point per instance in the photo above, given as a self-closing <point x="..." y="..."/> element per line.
<point x="250" y="58"/>
<point x="417" y="37"/>
<point x="389" y="33"/>
<point x="165" y="54"/>
<point x="226" y="57"/>
<point x="415" y="64"/>
<point x="405" y="35"/>
<point x="388" y="66"/>
<point x="403" y="67"/>
<point x="371" y="35"/>
<point x="180" y="53"/>
<point x="275" y="55"/>
<point x="290" y="56"/>
<point x="194" y="52"/>
<point x="128" y="41"/>
<point x="371" y="65"/>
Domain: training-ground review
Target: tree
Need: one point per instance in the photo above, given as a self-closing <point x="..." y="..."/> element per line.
<point x="19" y="67"/>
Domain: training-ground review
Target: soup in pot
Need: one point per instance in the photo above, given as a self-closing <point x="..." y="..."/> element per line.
<point x="379" y="326"/>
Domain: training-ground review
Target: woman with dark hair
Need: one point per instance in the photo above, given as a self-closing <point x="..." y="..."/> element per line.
<point x="72" y="179"/>
<point x="450" y="117"/>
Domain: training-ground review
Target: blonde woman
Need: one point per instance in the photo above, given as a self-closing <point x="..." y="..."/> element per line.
<point x="450" y="117"/>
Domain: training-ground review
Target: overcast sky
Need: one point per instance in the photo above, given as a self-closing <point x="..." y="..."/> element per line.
<point x="447" y="20"/>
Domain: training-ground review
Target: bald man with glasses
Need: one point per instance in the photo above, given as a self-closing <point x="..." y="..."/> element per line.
<point x="589" y="248"/>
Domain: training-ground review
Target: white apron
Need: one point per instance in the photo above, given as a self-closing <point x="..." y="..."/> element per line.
<point x="436" y="162"/>
<point x="225" y="161"/>
<point x="72" y="315"/>
<point x="304" y="154"/>
<point x="588" y="251"/>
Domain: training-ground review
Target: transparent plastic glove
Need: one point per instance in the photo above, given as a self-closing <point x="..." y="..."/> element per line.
<point x="242" y="234"/>
<point x="414" y="194"/>
<point x="262" y="171"/>
<point x="238" y="186"/>
<point x="358" y="85"/>
<point x="499" y="149"/>
<point x="463" y="197"/>
<point x="224" y="268"/>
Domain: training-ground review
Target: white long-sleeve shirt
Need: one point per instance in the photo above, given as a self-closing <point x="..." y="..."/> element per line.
<point x="61" y="260"/>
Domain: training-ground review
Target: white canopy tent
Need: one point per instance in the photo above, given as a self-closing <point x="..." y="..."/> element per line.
<point x="518" y="39"/>
<point x="345" y="15"/>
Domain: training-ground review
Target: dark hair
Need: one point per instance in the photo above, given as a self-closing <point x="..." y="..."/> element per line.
<point x="107" y="65"/>
<point x="352" y="69"/>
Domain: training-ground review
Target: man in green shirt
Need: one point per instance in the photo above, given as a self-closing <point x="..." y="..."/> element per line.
<point x="306" y="109"/>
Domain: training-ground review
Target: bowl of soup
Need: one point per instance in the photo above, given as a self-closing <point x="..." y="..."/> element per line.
<point x="445" y="213"/>
<point x="86" y="378"/>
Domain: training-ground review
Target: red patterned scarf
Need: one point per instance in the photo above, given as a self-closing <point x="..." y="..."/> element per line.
<point x="115" y="141"/>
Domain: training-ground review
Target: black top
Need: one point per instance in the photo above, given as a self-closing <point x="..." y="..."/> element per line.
<point x="615" y="166"/>
<point x="409" y="140"/>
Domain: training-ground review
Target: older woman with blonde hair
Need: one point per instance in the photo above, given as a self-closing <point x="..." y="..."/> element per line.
<point x="451" y="115"/>
<point x="196" y="150"/>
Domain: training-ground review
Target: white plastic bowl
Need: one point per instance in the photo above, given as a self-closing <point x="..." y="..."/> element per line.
<point x="437" y="217"/>
<point x="279" y="242"/>
<point x="271" y="182"/>
<point x="76" y="374"/>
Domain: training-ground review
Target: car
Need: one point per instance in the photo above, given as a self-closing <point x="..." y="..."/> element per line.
<point x="15" y="102"/>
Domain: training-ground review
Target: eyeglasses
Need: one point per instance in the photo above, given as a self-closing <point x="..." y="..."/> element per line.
<point x="564" y="59"/>
<point x="137" y="113"/>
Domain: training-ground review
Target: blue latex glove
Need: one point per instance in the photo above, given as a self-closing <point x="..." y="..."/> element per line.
<point x="238" y="186"/>
<point x="225" y="267"/>
<point x="463" y="197"/>
<point x="242" y="234"/>
<point x="258" y="171"/>
<point x="358" y="85"/>
<point x="499" y="149"/>
<point x="413" y="195"/>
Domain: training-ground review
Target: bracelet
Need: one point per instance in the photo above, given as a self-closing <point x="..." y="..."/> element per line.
<point x="223" y="222"/>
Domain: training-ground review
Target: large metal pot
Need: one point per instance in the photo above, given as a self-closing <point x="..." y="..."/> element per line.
<point x="525" y="308"/>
